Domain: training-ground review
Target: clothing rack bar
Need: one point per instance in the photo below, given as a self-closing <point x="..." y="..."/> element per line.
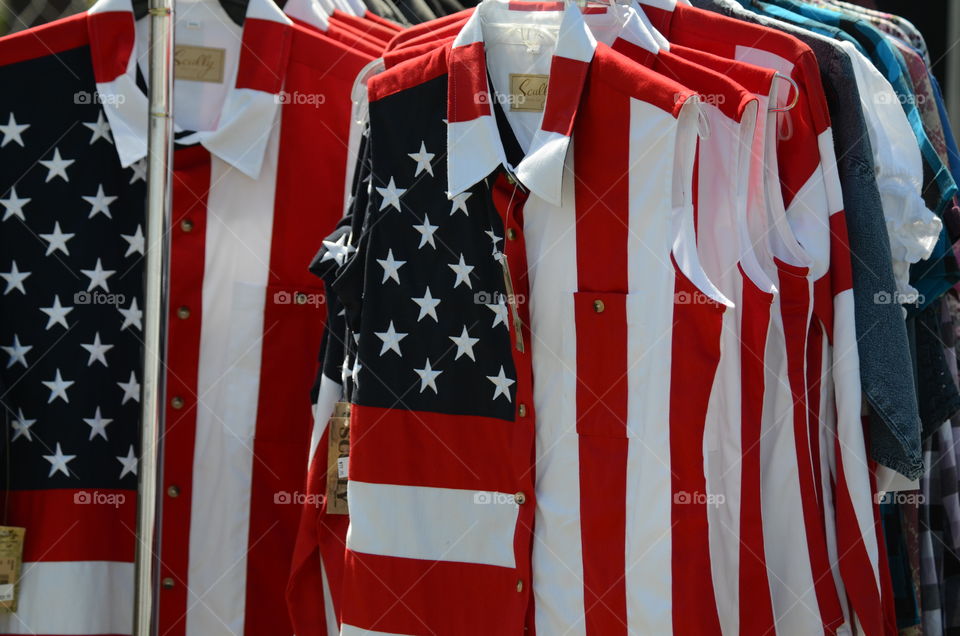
<point x="159" y="154"/>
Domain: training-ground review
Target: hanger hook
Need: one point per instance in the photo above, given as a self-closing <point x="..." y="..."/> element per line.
<point x="796" y="94"/>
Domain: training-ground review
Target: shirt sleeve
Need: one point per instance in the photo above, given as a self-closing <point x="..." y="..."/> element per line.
<point x="913" y="229"/>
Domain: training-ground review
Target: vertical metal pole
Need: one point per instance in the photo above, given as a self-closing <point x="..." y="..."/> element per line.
<point x="159" y="158"/>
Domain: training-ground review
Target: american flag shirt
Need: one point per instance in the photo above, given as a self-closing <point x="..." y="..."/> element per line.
<point x="519" y="437"/>
<point x="244" y="323"/>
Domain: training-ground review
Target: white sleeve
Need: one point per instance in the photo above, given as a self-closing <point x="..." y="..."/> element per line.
<point x="912" y="228"/>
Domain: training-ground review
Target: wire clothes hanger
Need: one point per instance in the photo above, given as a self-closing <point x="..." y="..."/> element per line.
<point x="796" y="95"/>
<point x="235" y="9"/>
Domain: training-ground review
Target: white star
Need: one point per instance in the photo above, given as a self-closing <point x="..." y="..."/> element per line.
<point x="57" y="240"/>
<point x="459" y="202"/>
<point x="462" y="270"/>
<point x="493" y="237"/>
<point x="391" y="195"/>
<point x="129" y="463"/>
<point x="58" y="462"/>
<point x="464" y="344"/>
<point x="58" y="388"/>
<point x="14" y="279"/>
<point x="131" y="389"/>
<point x="13" y="206"/>
<point x="131" y="316"/>
<point x="58" y="313"/>
<point x="135" y="242"/>
<point x="422" y="158"/>
<point x="426" y="232"/>
<point x="98" y="425"/>
<point x="391" y="339"/>
<point x="17" y="352"/>
<point x="96" y="350"/>
<point x="502" y="384"/>
<point x="428" y="306"/>
<point x="390" y="267"/>
<point x="11" y="132"/>
<point x="100" y="128"/>
<point x="98" y="276"/>
<point x="100" y="203"/>
<point x="338" y="250"/>
<point x="21" y="427"/>
<point x="57" y="167"/>
<point x="428" y="377"/>
<point x="499" y="310"/>
<point x="139" y="171"/>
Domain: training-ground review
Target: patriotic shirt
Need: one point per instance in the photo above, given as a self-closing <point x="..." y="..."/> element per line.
<point x="243" y="324"/>
<point x="540" y="282"/>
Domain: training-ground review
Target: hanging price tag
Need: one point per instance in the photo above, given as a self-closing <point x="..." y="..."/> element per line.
<point x="338" y="453"/>
<point x="11" y="559"/>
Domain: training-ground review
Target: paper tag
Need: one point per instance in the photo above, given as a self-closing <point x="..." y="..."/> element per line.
<point x="338" y="453"/>
<point x="11" y="558"/>
<point x="528" y="92"/>
<point x="198" y="63"/>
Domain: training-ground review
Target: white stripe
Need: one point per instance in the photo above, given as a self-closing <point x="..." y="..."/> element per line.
<point x="853" y="453"/>
<point x="786" y="550"/>
<point x="649" y="307"/>
<point x="73" y="597"/>
<point x="557" y="558"/>
<point x="238" y="236"/>
<point x="435" y="524"/>
<point x="328" y="610"/>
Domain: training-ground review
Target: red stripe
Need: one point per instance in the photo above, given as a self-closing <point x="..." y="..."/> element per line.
<point x="468" y="95"/>
<point x="191" y="183"/>
<point x="459" y="448"/>
<point x="409" y="73"/>
<point x="90" y="524"/>
<point x="815" y="373"/>
<point x="424" y="29"/>
<point x="263" y="55"/>
<point x="563" y="96"/>
<point x="47" y="39"/>
<point x="695" y="354"/>
<point x="112" y="37"/>
<point x="412" y="596"/>
<point x="855" y="567"/>
<point x="376" y="32"/>
<point x="449" y="31"/>
<point x="602" y="218"/>
<point x="284" y="412"/>
<point x="794" y="309"/>
<point x="392" y="58"/>
<point x="756" y="605"/>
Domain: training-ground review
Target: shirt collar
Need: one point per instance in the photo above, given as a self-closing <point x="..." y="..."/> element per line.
<point x="473" y="139"/>
<point x="249" y="110"/>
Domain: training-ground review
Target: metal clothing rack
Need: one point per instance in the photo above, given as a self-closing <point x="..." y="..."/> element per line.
<point x="159" y="154"/>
